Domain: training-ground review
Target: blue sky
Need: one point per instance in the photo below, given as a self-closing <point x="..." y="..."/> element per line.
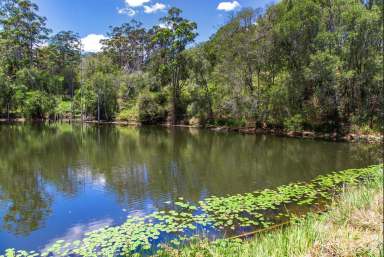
<point x="92" y="18"/>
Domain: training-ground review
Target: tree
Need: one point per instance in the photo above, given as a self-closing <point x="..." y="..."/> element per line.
<point x="38" y="104"/>
<point x="169" y="61"/>
<point x="100" y="88"/>
<point x="239" y="52"/>
<point x="201" y="65"/>
<point x="303" y="64"/>
<point x="322" y="73"/>
<point x="6" y="94"/>
<point x="23" y="30"/>
<point x="66" y="52"/>
<point x="128" y="45"/>
<point x="66" y="48"/>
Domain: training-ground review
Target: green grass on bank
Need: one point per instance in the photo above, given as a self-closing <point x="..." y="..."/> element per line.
<point x="351" y="227"/>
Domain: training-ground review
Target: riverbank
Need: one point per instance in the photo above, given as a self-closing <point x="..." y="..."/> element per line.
<point x="367" y="138"/>
<point x="352" y="227"/>
<point x="349" y="137"/>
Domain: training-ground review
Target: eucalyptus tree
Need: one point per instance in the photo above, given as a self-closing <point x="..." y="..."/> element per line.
<point x="6" y="94"/>
<point x="101" y="87"/>
<point x="201" y="64"/>
<point x="168" y="60"/>
<point x="317" y="63"/>
<point x="239" y="60"/>
<point x="127" y="45"/>
<point x="66" y="52"/>
<point x="66" y="47"/>
<point x="22" y="32"/>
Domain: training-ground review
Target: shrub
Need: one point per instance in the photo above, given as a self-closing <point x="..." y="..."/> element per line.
<point x="38" y="104"/>
<point x="230" y="122"/>
<point x="130" y="114"/>
<point x="63" y="109"/>
<point x="294" y="123"/>
<point x="149" y="109"/>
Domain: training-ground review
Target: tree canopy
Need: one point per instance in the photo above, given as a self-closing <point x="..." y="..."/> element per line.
<point x="297" y="64"/>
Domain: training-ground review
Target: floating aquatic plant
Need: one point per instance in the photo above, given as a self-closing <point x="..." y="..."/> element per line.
<point x="257" y="209"/>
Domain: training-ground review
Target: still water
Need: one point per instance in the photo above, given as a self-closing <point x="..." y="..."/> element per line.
<point x="60" y="181"/>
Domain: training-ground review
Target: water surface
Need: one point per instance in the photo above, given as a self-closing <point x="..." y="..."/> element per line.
<point x="58" y="181"/>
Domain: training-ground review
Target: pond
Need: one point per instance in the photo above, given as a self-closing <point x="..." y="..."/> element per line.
<point x="59" y="181"/>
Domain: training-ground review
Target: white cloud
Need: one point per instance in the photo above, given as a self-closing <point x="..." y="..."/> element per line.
<point x="154" y="8"/>
<point x="43" y="44"/>
<point x="164" y="26"/>
<point x="136" y="3"/>
<point x="228" y="6"/>
<point x="127" y="10"/>
<point x="91" y="43"/>
<point x="130" y="6"/>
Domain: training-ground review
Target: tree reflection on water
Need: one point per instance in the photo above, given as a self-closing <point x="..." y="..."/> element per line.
<point x="149" y="165"/>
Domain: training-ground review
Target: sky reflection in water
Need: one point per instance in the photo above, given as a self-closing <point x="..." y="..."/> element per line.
<point x="59" y="181"/>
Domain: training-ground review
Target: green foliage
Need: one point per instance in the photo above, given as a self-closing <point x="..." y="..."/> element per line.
<point x="22" y="29"/>
<point x="229" y="122"/>
<point x="321" y="60"/>
<point x="128" y="115"/>
<point x="169" y="63"/>
<point x="38" y="104"/>
<point x="150" y="109"/>
<point x="28" y="65"/>
<point x="132" y="84"/>
<point x="127" y="46"/>
<point x="294" y="123"/>
<point x="98" y="96"/>
<point x="63" y="58"/>
<point x="63" y="109"/>
<point x="7" y="93"/>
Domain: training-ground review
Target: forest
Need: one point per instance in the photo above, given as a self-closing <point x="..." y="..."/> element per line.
<point x="297" y="64"/>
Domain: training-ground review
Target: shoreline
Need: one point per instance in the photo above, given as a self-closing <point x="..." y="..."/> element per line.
<point x="351" y="223"/>
<point x="374" y="138"/>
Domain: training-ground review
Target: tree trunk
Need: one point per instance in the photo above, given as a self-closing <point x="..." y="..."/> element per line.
<point x="98" y="109"/>
<point x="175" y="96"/>
<point x="8" y="117"/>
<point x="72" y="93"/>
<point x="210" y="111"/>
<point x="208" y="97"/>
<point x="81" y="104"/>
<point x="31" y="53"/>
<point x="174" y="104"/>
<point x="248" y="78"/>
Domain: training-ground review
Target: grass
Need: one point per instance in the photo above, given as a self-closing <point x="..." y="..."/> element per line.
<point x="351" y="227"/>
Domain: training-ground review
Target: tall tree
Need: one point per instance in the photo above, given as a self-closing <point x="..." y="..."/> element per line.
<point x="100" y="88"/>
<point x="170" y="40"/>
<point x="23" y="30"/>
<point x="66" y="48"/>
<point x="127" y="45"/>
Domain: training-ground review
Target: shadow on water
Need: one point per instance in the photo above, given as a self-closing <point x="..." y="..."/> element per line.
<point x="57" y="178"/>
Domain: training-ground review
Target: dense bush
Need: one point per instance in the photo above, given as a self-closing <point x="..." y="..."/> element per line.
<point x="130" y="114"/>
<point x="38" y="105"/>
<point x="62" y="110"/>
<point x="294" y="123"/>
<point x="150" y="109"/>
